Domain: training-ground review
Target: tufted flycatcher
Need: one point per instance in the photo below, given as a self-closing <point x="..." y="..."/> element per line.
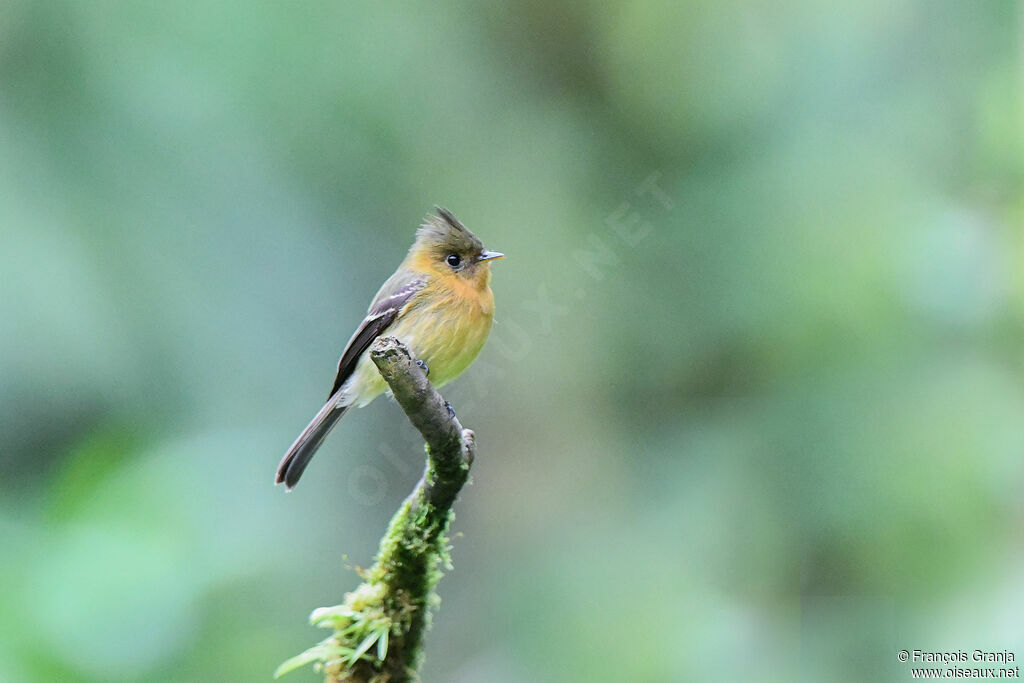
<point x="438" y="303"/>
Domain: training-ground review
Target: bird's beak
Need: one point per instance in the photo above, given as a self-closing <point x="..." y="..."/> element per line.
<point x="490" y="256"/>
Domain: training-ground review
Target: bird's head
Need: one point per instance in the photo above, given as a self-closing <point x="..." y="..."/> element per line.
<point x="446" y="247"/>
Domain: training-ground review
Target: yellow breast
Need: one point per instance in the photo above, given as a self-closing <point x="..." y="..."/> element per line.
<point x="445" y="326"/>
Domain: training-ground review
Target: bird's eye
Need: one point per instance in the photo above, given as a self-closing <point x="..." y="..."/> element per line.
<point x="453" y="260"/>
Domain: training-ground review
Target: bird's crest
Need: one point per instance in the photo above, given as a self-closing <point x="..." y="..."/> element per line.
<point x="443" y="230"/>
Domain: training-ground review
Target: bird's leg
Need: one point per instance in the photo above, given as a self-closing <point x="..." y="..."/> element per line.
<point x="451" y="411"/>
<point x="426" y="370"/>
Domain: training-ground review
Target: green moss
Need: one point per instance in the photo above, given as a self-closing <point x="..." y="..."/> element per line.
<point x="391" y="608"/>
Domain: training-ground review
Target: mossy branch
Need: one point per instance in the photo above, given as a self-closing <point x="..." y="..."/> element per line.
<point x="378" y="630"/>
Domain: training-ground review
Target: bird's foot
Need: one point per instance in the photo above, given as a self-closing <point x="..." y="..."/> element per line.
<point x="451" y="411"/>
<point x="426" y="370"/>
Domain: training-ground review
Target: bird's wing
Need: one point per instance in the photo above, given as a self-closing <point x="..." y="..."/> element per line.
<point x="393" y="296"/>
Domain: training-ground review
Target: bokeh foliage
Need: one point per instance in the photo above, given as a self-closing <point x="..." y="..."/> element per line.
<point x="773" y="433"/>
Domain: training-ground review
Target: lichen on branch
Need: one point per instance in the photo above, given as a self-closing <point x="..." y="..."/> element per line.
<point x="378" y="630"/>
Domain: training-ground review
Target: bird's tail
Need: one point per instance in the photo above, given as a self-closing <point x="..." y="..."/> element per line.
<point x="299" y="455"/>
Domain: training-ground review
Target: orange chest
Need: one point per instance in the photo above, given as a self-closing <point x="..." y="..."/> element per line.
<point x="447" y="326"/>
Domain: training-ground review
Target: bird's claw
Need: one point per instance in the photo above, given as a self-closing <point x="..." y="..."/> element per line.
<point x="426" y="370"/>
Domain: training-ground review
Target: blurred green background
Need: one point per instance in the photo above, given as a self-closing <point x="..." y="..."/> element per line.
<point x="752" y="409"/>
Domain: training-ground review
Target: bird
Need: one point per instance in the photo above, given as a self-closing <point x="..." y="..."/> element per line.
<point x="438" y="303"/>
